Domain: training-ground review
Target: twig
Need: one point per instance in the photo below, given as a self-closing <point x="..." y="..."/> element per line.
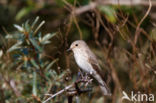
<point x="40" y="25"/>
<point x="77" y="25"/>
<point x="48" y="94"/>
<point x="13" y="86"/>
<point x="83" y="9"/>
<point x="2" y="98"/>
<point x="58" y="93"/>
<point x="75" y="84"/>
<point x="138" y="26"/>
<point x="70" y="99"/>
<point x="37" y="98"/>
<point x="93" y="5"/>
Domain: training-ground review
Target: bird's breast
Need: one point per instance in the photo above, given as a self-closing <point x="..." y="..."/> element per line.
<point x="82" y="62"/>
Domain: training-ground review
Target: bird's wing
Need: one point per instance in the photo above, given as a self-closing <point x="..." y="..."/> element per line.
<point x="96" y="66"/>
<point x="100" y="77"/>
<point x="93" y="61"/>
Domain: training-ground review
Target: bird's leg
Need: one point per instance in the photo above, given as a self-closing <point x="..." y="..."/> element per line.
<point x="86" y="77"/>
<point x="80" y="75"/>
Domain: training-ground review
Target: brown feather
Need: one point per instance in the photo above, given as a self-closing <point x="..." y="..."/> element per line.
<point x="96" y="67"/>
<point x="99" y="71"/>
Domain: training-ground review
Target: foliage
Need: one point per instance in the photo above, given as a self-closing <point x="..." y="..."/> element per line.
<point x="27" y="55"/>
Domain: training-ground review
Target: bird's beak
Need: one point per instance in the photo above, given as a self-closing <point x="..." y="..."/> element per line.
<point x="68" y="49"/>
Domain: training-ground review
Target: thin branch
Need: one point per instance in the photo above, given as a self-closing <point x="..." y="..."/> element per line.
<point x="58" y="93"/>
<point x="2" y="98"/>
<point x="77" y="25"/>
<point x="75" y="84"/>
<point x="11" y="83"/>
<point x="138" y="26"/>
<point x="83" y="9"/>
<point x="93" y="5"/>
<point x="70" y="99"/>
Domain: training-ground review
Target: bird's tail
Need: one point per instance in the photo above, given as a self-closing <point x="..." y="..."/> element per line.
<point x="102" y="84"/>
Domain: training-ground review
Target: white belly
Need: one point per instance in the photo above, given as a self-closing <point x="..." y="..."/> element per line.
<point x="82" y="62"/>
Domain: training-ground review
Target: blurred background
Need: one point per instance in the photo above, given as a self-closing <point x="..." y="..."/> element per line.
<point x="34" y="36"/>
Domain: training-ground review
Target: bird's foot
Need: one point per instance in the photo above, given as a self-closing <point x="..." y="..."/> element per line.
<point x="80" y="75"/>
<point x="86" y="77"/>
<point x="88" y="82"/>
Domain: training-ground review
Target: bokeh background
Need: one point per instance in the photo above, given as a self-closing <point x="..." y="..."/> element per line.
<point x="34" y="36"/>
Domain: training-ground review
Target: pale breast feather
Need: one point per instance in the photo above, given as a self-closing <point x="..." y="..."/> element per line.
<point x="83" y="63"/>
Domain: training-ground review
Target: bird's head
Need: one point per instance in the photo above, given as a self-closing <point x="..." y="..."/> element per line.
<point x="77" y="45"/>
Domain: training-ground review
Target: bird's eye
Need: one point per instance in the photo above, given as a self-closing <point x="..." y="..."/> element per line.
<point x="76" y="44"/>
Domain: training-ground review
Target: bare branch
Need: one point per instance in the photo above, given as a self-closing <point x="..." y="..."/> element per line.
<point x="84" y="80"/>
<point x="58" y="93"/>
<point x="138" y="26"/>
<point x="83" y="9"/>
<point x="93" y="5"/>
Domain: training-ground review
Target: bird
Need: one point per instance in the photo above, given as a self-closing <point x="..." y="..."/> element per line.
<point x="88" y="63"/>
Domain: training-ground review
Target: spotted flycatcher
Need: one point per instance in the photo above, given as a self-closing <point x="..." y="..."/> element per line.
<point x="87" y="61"/>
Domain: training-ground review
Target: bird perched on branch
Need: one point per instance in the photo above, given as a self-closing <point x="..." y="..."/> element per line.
<point x="87" y="61"/>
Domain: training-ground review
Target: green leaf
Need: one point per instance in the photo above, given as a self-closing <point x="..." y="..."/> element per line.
<point x="51" y="64"/>
<point x="19" y="28"/>
<point x="25" y="63"/>
<point x="40" y="25"/>
<point x="60" y="3"/>
<point x="35" y="44"/>
<point x="34" y="23"/>
<point x="24" y="11"/>
<point x="153" y="34"/>
<point x="8" y="36"/>
<point x="54" y="74"/>
<point x="62" y="74"/>
<point x="34" y="63"/>
<point x="34" y="91"/>
<point x="45" y="39"/>
<point x="27" y="26"/>
<point x="15" y="46"/>
<point x="109" y="13"/>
